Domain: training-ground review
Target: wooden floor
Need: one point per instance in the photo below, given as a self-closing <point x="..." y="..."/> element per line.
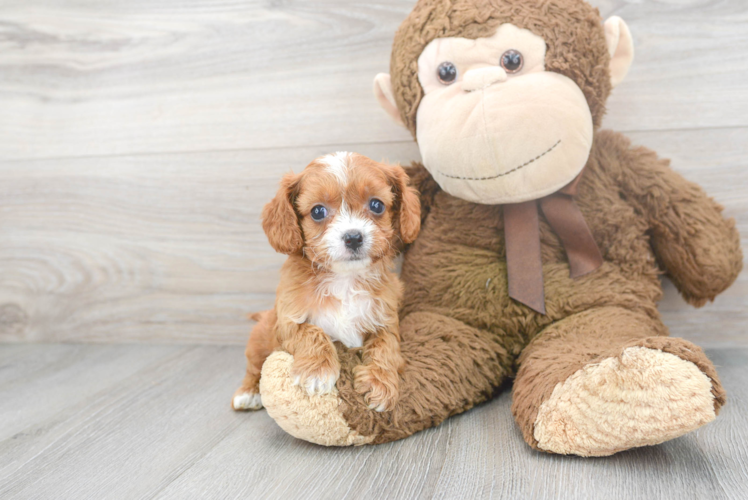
<point x="135" y="421"/>
<point x="139" y="140"/>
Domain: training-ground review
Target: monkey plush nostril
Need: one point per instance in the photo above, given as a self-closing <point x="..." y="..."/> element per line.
<point x="478" y="79"/>
<point x="353" y="240"/>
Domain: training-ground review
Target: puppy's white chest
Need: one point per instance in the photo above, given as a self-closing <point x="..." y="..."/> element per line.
<point x="350" y="316"/>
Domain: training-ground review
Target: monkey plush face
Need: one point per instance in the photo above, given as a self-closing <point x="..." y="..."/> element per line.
<point x="499" y="118"/>
<point x="494" y="126"/>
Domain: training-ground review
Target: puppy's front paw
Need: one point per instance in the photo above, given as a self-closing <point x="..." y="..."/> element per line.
<point x="320" y="378"/>
<point x="246" y="400"/>
<point x="379" y="386"/>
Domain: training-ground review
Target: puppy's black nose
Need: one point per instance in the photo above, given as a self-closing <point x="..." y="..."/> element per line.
<point x="353" y="240"/>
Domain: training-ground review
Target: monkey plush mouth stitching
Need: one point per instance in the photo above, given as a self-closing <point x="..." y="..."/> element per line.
<point x="504" y="173"/>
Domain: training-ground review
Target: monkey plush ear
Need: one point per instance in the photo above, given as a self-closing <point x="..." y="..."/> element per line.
<point x="279" y="218"/>
<point x="385" y="97"/>
<point x="621" y="48"/>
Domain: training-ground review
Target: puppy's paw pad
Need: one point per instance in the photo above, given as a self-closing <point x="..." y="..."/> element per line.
<point x="247" y="401"/>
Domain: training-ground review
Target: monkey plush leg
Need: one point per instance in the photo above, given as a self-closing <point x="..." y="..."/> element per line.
<point x="449" y="368"/>
<point x="609" y="379"/>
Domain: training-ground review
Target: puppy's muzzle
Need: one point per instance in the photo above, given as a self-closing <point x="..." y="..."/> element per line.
<point x="353" y="240"/>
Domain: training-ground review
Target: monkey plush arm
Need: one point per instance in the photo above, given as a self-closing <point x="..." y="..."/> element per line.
<point x="697" y="247"/>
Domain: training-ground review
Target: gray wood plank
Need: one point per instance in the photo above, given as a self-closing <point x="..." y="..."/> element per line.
<point x="294" y="469"/>
<point x="106" y="78"/>
<point x="30" y="378"/>
<point x="169" y="248"/>
<point x="165" y="431"/>
<point x="164" y="247"/>
<point x="669" y="37"/>
<point x="724" y="446"/>
<point x="100" y="79"/>
<point x="137" y="434"/>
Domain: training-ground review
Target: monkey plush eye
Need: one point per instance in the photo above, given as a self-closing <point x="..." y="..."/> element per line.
<point x="319" y="213"/>
<point x="512" y="61"/>
<point x="376" y="206"/>
<point x="446" y="72"/>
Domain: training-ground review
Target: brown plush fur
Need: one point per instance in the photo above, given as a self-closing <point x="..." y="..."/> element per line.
<point x="586" y="338"/>
<point x="462" y="335"/>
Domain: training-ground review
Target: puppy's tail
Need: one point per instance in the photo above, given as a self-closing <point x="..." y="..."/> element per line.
<point x="257" y="316"/>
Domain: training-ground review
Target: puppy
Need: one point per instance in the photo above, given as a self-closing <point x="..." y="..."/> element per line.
<point x="340" y="221"/>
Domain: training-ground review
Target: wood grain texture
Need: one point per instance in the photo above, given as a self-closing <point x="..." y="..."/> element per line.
<point x="169" y="248"/>
<point x="103" y="78"/>
<point x="82" y="78"/>
<point x="159" y="426"/>
<point x="139" y="141"/>
<point x="164" y="247"/>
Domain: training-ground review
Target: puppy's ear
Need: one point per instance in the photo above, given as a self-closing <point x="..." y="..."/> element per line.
<point x="279" y="219"/>
<point x="409" y="204"/>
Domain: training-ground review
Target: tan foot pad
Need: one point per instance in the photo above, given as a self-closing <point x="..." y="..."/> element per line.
<point x="643" y="397"/>
<point x="316" y="419"/>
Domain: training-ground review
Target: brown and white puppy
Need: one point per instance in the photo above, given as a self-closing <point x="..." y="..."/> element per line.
<point x="340" y="221"/>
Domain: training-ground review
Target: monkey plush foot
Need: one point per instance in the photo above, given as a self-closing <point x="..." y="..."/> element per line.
<point x="428" y="392"/>
<point x="641" y="397"/>
<point x="316" y="419"/>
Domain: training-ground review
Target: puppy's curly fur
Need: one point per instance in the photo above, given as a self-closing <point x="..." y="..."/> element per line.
<point x="333" y="288"/>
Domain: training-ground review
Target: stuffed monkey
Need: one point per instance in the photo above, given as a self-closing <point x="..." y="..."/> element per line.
<point x="541" y="244"/>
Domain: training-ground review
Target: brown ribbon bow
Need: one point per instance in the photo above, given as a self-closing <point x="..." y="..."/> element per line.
<point x="522" y="237"/>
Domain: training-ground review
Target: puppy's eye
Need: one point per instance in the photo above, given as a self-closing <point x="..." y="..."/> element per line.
<point x="512" y="61"/>
<point x="376" y="206"/>
<point x="446" y="73"/>
<point x="319" y="212"/>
